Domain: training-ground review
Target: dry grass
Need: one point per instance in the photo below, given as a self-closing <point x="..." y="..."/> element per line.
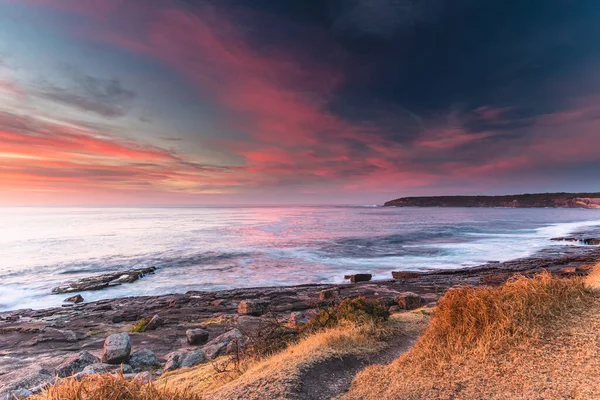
<point x="276" y="376"/>
<point x="497" y="343"/>
<point x="111" y="386"/>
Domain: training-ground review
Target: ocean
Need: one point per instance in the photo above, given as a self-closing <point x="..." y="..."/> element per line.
<point x="216" y="248"/>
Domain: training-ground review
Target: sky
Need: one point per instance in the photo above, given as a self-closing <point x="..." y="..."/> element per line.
<point x="182" y="102"/>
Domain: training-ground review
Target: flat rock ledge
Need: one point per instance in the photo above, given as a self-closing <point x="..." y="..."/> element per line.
<point x="103" y="281"/>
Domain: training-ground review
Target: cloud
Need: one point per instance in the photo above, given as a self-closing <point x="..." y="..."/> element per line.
<point x="105" y="97"/>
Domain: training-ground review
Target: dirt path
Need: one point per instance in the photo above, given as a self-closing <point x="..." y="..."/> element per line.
<point x="330" y="379"/>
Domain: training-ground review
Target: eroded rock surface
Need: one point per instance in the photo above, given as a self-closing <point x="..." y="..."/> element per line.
<point x="103" y="281"/>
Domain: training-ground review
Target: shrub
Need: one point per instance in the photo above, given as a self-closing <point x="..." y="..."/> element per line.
<point x="358" y="311"/>
<point x="140" y="326"/>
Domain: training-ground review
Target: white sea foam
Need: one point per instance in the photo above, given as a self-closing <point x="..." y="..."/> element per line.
<point x="224" y="248"/>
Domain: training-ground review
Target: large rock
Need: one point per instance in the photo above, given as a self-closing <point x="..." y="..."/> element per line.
<point x="405" y="275"/>
<point x="76" y="363"/>
<point x="143" y="359"/>
<point x="328" y="294"/>
<point x="184" y="359"/>
<point x="409" y="300"/>
<point x="591" y="241"/>
<point x="253" y="307"/>
<point x="102" y="368"/>
<point x="223" y="344"/>
<point x="154" y="323"/>
<point x="359" y="277"/>
<point x="196" y="336"/>
<point x="117" y="348"/>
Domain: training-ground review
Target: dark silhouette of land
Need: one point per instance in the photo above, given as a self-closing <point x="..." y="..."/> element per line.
<point x="538" y="200"/>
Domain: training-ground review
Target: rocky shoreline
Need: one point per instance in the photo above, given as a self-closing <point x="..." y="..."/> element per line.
<point x="36" y="346"/>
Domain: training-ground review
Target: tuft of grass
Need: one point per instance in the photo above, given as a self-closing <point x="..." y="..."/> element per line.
<point x="358" y="311"/>
<point x="111" y="386"/>
<point x="592" y="280"/>
<point x="471" y="326"/>
<point x="475" y="321"/>
<point x="140" y="326"/>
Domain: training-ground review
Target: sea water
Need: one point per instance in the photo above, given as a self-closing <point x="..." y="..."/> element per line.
<point x="216" y="248"/>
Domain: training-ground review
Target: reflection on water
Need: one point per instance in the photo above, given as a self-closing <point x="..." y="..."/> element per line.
<point x="221" y="248"/>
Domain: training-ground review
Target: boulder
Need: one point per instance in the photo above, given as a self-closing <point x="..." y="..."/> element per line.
<point x="76" y="363"/>
<point x="297" y="320"/>
<point x="154" y="323"/>
<point x="409" y="300"/>
<point x="223" y="344"/>
<point x="103" y="368"/>
<point x="143" y="359"/>
<point x="184" y="359"/>
<point x="196" y="336"/>
<point x="253" y="307"/>
<point x="405" y="275"/>
<point x="359" y="277"/>
<point x="74" y="299"/>
<point x="328" y="294"/>
<point x="117" y="348"/>
<point x="591" y="241"/>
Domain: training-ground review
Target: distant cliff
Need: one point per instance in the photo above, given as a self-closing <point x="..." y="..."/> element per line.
<point x="542" y="200"/>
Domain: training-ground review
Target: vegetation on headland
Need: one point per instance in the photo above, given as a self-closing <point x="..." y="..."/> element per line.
<point x="533" y="336"/>
<point x="541" y="200"/>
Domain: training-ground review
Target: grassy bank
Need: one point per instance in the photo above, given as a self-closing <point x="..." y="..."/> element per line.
<point x="533" y="337"/>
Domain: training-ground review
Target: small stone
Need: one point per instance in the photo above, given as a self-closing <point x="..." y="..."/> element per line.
<point x="154" y="323"/>
<point x="143" y="377"/>
<point x="405" y="275"/>
<point x="117" y="348"/>
<point x="584" y="268"/>
<point x="409" y="300"/>
<point x="253" y="307"/>
<point x="328" y="294"/>
<point x="74" y="299"/>
<point x="196" y="336"/>
<point x="103" y="368"/>
<point x="142" y="359"/>
<point x="359" y="278"/>
<point x="297" y="320"/>
<point x="76" y="363"/>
